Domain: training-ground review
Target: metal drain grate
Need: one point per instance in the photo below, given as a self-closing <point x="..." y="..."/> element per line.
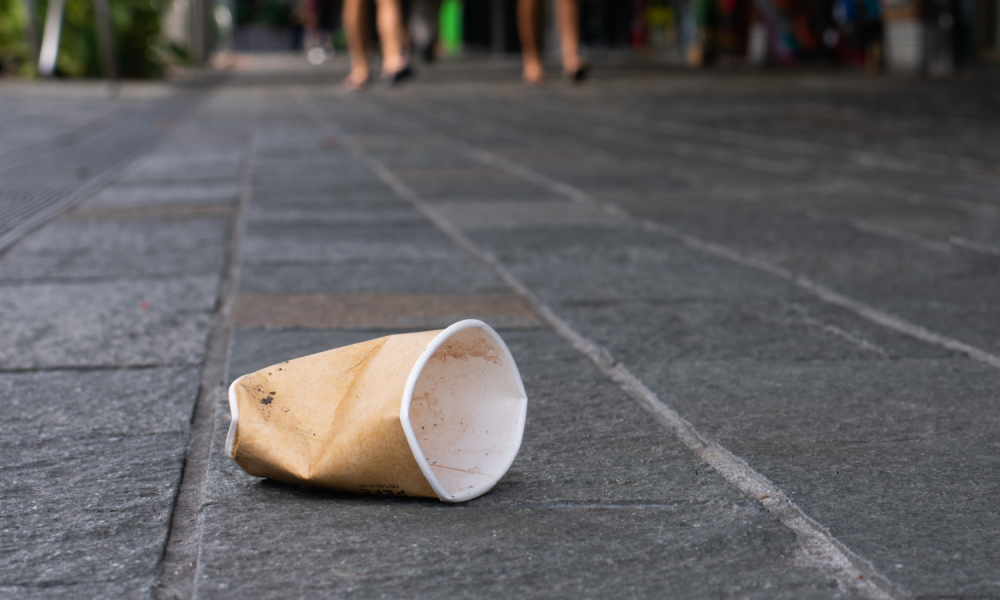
<point x="37" y="188"/>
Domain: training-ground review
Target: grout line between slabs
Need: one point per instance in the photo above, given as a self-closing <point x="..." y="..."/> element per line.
<point x="179" y="565"/>
<point x="852" y="573"/>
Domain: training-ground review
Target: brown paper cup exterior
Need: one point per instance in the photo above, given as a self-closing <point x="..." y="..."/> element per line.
<point x="434" y="414"/>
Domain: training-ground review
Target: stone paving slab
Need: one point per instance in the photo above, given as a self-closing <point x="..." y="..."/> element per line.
<point x="903" y="450"/>
<point x="90" y="509"/>
<point x="188" y="166"/>
<point x="311" y="244"/>
<point x="30" y="119"/>
<point x="354" y="198"/>
<point x="134" y="323"/>
<point x="104" y="317"/>
<point x="470" y="190"/>
<point x="512" y="214"/>
<point x="90" y="466"/>
<point x="453" y="276"/>
<point x="134" y="194"/>
<point x="340" y="213"/>
<point x="97" y="248"/>
<point x="54" y="403"/>
<point x="136" y="588"/>
<point x="691" y="307"/>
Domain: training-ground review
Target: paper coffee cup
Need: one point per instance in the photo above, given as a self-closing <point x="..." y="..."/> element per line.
<point x="434" y="414"/>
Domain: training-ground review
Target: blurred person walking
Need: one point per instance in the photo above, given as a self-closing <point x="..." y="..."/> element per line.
<point x="568" y="22"/>
<point x="395" y="65"/>
<point x="424" y="15"/>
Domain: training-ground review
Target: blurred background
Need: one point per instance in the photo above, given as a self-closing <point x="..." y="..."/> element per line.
<point x="148" y="38"/>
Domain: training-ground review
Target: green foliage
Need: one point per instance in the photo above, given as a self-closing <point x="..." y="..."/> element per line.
<point x="246" y="12"/>
<point x="138" y="45"/>
<point x="139" y="50"/>
<point x="15" y="52"/>
<point x="338" y="39"/>
<point x="273" y="13"/>
<point x="78" y="55"/>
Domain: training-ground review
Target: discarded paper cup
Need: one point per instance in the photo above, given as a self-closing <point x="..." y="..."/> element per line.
<point x="434" y="414"/>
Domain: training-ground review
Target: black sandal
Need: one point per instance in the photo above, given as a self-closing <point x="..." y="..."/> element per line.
<point x="398" y="77"/>
<point x="577" y="76"/>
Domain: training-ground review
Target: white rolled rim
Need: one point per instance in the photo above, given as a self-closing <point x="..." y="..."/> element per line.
<point x="234" y="410"/>
<point x="404" y="411"/>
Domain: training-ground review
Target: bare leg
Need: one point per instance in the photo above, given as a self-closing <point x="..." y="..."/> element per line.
<point x="568" y="17"/>
<point x="390" y="30"/>
<point x="354" y="28"/>
<point x="527" y="11"/>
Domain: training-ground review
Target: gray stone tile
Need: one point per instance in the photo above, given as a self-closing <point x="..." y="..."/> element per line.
<point x="601" y="502"/>
<point x="420" y="158"/>
<point x="898" y="459"/>
<point x="367" y="197"/>
<point x="298" y="179"/>
<point x="305" y="158"/>
<point x="475" y="191"/>
<point x="85" y="514"/>
<point x="644" y="294"/>
<point x="334" y="187"/>
<point x="273" y="244"/>
<point x="334" y="213"/>
<point x="342" y="171"/>
<point x="53" y="404"/>
<point x="949" y="291"/>
<point x="513" y="214"/>
<point x="310" y="151"/>
<point x="454" y="276"/>
<point x="116" y="323"/>
<point x="165" y="193"/>
<point x="188" y="162"/>
<point x="132" y="588"/>
<point x="87" y="249"/>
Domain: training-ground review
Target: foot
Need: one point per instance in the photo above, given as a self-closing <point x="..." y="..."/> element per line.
<point x="574" y="70"/>
<point x="356" y="81"/>
<point x="533" y="74"/>
<point x="576" y="76"/>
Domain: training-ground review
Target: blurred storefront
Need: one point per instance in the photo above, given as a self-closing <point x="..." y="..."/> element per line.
<point x="935" y="37"/>
<point x="922" y="36"/>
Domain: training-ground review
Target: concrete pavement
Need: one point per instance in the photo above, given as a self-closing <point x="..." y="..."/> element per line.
<point x="755" y="317"/>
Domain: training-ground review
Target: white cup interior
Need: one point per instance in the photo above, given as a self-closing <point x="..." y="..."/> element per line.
<point x="466" y="411"/>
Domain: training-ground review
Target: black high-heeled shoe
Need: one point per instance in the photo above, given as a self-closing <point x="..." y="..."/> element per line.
<point x="398" y="77"/>
<point x="577" y="76"/>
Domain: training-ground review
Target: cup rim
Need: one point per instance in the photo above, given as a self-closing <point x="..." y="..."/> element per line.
<point x="411" y="383"/>
<point x="234" y="411"/>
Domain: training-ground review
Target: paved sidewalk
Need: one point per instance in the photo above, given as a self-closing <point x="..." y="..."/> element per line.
<point x="104" y="316"/>
<point x="755" y="317"/>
